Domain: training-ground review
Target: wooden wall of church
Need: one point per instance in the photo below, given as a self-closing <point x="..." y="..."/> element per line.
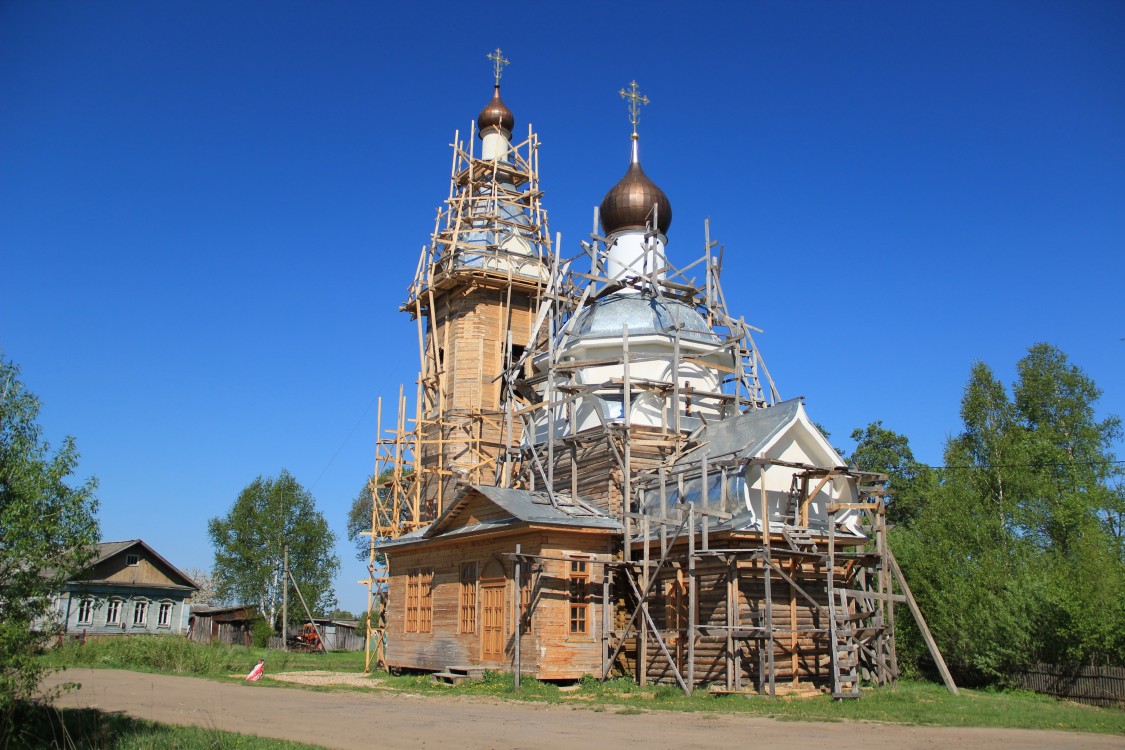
<point x="548" y="649"/>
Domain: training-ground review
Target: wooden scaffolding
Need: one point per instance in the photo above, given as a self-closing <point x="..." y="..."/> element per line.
<point x="478" y="284"/>
<point x="698" y="597"/>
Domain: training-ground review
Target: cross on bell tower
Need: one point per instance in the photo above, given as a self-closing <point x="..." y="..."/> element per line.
<point x="498" y="63"/>
<point x="635" y="100"/>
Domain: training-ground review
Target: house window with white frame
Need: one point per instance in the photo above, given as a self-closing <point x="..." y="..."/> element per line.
<point x="113" y="612"/>
<point x="140" y="614"/>
<point x="164" y="616"/>
<point x="86" y="612"/>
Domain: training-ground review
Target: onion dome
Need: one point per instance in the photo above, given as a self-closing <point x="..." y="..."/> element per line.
<point x="496" y="115"/>
<point x="629" y="203"/>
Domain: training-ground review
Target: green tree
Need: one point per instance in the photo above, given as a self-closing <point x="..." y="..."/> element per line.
<point x="249" y="545"/>
<point x="359" y="514"/>
<point x="359" y="520"/>
<point x="953" y="536"/>
<point x="48" y="532"/>
<point x="1014" y="553"/>
<point x="909" y="482"/>
<point x="1072" y="508"/>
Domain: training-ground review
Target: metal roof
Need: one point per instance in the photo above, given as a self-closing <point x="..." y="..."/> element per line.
<point x="743" y="436"/>
<point x="522" y="506"/>
<point x="644" y="313"/>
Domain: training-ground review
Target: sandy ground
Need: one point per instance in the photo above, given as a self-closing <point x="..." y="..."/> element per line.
<point x="350" y="719"/>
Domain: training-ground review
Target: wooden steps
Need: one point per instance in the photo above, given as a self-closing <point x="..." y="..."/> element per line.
<point x="459" y="675"/>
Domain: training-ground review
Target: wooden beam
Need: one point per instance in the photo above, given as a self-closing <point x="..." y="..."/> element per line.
<point x="931" y="644"/>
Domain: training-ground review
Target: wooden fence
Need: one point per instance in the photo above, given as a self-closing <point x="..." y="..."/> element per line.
<point x="1097" y="686"/>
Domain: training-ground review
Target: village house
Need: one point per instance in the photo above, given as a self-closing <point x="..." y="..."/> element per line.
<point x="128" y="589"/>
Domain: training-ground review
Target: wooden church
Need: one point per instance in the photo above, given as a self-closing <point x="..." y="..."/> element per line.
<point x="598" y="476"/>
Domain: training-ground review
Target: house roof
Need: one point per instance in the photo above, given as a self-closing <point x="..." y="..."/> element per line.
<point x="208" y="610"/>
<point x="522" y="506"/>
<point x="106" y="550"/>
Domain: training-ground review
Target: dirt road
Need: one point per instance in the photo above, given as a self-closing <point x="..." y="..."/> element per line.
<point x="352" y="720"/>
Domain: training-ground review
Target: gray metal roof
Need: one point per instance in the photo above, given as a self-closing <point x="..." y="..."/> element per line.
<point x="745" y="435"/>
<point x="523" y="507"/>
<point x="536" y="507"/>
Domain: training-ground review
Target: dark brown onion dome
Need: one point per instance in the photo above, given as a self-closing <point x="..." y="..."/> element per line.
<point x="496" y="115"/>
<point x="628" y="203"/>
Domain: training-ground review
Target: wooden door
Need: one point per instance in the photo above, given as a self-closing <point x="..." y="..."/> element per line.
<point x="492" y="621"/>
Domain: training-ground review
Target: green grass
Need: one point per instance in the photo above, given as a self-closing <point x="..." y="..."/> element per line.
<point x="39" y="726"/>
<point x="173" y="655"/>
<point x="909" y="702"/>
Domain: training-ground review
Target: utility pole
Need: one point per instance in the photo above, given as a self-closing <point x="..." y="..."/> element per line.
<point x="285" y="600"/>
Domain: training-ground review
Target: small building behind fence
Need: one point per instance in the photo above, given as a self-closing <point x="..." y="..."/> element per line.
<point x="230" y="625"/>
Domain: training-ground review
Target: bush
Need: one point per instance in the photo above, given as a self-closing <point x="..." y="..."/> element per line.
<point x="261" y="633"/>
<point x="158" y="653"/>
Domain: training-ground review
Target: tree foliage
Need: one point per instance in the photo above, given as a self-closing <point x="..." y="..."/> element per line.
<point x="909" y="483"/>
<point x="360" y="512"/>
<point x="48" y="532"/>
<point x="359" y="520"/>
<point x="1014" y="547"/>
<point x="249" y="544"/>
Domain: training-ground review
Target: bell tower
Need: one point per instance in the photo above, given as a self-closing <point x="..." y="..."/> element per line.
<point x="475" y="297"/>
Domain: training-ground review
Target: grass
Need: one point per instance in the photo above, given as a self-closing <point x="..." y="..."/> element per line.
<point x="172" y="655"/>
<point x="909" y="702"/>
<point x="39" y="726"/>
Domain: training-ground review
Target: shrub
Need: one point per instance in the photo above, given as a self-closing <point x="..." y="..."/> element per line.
<point x="261" y="633"/>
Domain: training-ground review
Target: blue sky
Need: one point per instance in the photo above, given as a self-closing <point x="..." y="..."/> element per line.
<point x="209" y="212"/>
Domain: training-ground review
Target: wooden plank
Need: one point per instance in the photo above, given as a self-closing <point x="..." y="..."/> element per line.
<point x="924" y="629"/>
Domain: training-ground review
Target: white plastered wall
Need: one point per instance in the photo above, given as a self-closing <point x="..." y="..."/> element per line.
<point x="798" y="442"/>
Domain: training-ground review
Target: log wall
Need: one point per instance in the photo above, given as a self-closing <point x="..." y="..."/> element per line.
<point x="548" y="650"/>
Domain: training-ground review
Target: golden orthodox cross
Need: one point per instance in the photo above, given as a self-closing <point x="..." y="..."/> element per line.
<point x="498" y="63"/>
<point x="636" y="101"/>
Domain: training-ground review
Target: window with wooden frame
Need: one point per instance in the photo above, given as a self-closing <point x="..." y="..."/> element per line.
<point x="468" y="600"/>
<point x="525" y="600"/>
<point x="579" y="596"/>
<point x="140" y="614"/>
<point x="86" y="612"/>
<point x="164" y="616"/>
<point x="676" y="604"/>
<point x="419" y="601"/>
<point x="113" y="612"/>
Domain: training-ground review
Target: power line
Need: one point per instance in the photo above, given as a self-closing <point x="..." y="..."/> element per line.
<point x="1060" y="464"/>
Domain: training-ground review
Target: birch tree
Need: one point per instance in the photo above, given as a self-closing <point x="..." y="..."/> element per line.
<point x="250" y="541"/>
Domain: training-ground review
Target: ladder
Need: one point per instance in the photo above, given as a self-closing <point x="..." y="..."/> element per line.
<point x="799" y="538"/>
<point x="844" y="647"/>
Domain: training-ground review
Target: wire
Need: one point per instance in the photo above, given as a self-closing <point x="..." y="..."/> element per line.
<point x="1027" y="466"/>
<point x="343" y="443"/>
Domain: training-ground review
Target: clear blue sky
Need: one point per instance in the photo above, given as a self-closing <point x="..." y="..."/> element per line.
<point x="210" y="211"/>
